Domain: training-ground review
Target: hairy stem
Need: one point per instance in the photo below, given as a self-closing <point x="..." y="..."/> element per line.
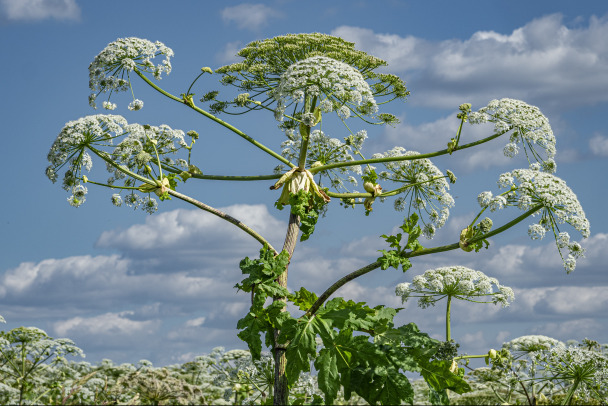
<point x="448" y="332"/>
<point x="281" y="392"/>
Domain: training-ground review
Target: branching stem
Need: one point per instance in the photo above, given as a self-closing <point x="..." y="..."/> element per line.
<point x="425" y="251"/>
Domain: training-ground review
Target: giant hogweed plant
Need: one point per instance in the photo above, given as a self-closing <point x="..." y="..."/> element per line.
<point x="303" y="82"/>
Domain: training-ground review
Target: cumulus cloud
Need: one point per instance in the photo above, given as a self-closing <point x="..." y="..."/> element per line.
<point x="435" y="135"/>
<point x="108" y="324"/>
<point x="229" y="54"/>
<point x="41" y="9"/>
<point x="249" y="16"/>
<point x="544" y="63"/>
<point x="171" y="285"/>
<point x="599" y="145"/>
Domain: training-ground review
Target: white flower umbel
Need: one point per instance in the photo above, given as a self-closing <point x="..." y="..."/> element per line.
<point x="344" y="88"/>
<point x="109" y="71"/>
<point x="530" y="127"/>
<point x="531" y="343"/>
<point x="69" y="146"/>
<point x="425" y="188"/>
<point x="141" y="148"/>
<point x="454" y="281"/>
<point x="528" y="188"/>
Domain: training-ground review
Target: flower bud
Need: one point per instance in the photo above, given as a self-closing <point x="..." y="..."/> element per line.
<point x="492" y="354"/>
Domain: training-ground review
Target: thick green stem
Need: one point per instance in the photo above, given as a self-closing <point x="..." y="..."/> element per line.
<point x="225" y="177"/>
<point x="425" y="251"/>
<point x="448" y="332"/>
<point x="190" y="200"/>
<point x="217" y="120"/>
<point x="401" y="158"/>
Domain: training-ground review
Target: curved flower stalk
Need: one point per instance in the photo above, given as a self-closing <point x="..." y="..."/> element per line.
<point x="457" y="282"/>
<point x="527" y="188"/>
<point x="108" y="70"/>
<point x="425" y="188"/>
<point x="530" y="127"/>
<point x="142" y="146"/>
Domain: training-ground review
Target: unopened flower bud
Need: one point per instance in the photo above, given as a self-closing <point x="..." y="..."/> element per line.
<point x="316" y="164"/>
<point x="206" y="69"/>
<point x="485" y="225"/>
<point x="492" y="354"/>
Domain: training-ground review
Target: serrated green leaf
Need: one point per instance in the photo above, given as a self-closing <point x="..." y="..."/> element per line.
<point x="439" y="377"/>
<point x="252" y="326"/>
<point x="304" y="299"/>
<point x="302" y="345"/>
<point x="328" y="379"/>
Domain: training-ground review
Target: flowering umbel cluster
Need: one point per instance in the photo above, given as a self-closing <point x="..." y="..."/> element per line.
<point x="528" y="125"/>
<point x="425" y="188"/>
<point x="339" y="87"/>
<point x="109" y="71"/>
<point x="458" y="282"/>
<point x="272" y="71"/>
<point x="142" y="148"/>
<point x="528" y="188"/>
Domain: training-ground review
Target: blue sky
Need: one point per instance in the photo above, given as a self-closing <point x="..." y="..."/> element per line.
<point x="128" y="286"/>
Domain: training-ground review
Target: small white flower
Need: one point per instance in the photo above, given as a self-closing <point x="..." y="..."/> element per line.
<point x="109" y="106"/>
<point x="136" y="105"/>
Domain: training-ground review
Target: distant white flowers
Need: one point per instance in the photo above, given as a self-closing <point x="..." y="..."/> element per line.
<point x="455" y="281"/>
<point x="427" y="190"/>
<point x="529" y="127"/>
<point x="531" y="343"/>
<point x="108" y="70"/>
<point x="528" y="188"/>
<point x="344" y="87"/>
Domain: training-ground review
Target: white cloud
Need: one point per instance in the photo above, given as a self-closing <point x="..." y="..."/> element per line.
<point x="435" y="135"/>
<point x="572" y="329"/>
<point x="41" y="9"/>
<point x="188" y="263"/>
<point x="249" y="16"/>
<point x="195" y="322"/>
<point x="108" y="324"/>
<point x="544" y="63"/>
<point x="229" y="54"/>
<point x="599" y="145"/>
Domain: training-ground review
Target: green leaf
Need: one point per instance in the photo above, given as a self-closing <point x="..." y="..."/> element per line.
<point x="302" y="344"/>
<point x="252" y="326"/>
<point x="328" y="379"/>
<point x="304" y="299"/>
<point x="439" y="377"/>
